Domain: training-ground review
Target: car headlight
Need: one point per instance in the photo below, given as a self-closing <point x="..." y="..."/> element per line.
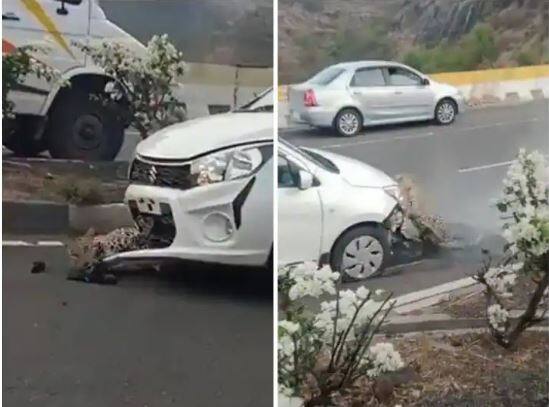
<point x="394" y="192"/>
<point x="231" y="164"/>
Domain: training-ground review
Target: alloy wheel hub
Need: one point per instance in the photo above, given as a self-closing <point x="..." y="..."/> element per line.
<point x="446" y="112"/>
<point x="348" y="123"/>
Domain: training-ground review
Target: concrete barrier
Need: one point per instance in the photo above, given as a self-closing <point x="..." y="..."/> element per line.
<point x="209" y="88"/>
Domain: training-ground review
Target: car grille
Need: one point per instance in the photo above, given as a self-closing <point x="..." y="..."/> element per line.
<point x="159" y="230"/>
<point x="172" y="176"/>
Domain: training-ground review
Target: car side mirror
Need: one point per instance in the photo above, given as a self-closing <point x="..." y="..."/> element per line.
<point x="306" y="180"/>
<point x="62" y="11"/>
<point x="425" y="82"/>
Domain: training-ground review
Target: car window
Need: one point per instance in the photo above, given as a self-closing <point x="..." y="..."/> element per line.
<point x="368" y="77"/>
<point x="286" y="177"/>
<point x="326" y="76"/>
<point x="402" y="77"/>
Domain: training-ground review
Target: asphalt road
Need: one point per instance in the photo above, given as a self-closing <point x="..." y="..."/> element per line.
<point x="459" y="167"/>
<point x="191" y="337"/>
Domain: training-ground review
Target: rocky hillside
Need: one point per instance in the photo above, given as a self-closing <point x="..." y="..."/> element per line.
<point x="217" y="31"/>
<point x="314" y="33"/>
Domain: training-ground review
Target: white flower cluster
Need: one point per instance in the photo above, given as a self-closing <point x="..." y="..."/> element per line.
<point x="309" y="281"/>
<point x="349" y="303"/>
<point x="497" y="317"/>
<point x="286" y="344"/>
<point x="382" y="357"/>
<point x="304" y="336"/>
<point x="503" y="279"/>
<point x="146" y="79"/>
<point x="526" y="201"/>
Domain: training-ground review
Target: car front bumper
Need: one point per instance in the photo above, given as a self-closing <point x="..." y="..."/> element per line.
<point x="198" y="224"/>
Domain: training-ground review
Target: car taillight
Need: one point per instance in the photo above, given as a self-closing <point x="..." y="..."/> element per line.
<point x="309" y="99"/>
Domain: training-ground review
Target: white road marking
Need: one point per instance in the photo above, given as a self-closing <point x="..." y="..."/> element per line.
<point x="488" y="166"/>
<point x="499" y="124"/>
<point x="50" y="243"/>
<point x="485" y="167"/>
<point x="429" y="134"/>
<point x="22" y="243"/>
<point x="383" y="140"/>
<point x="14" y="243"/>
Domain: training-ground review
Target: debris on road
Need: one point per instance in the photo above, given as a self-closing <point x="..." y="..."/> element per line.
<point x="38" y="267"/>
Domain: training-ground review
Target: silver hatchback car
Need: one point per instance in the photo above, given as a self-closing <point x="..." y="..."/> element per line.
<point x="351" y="95"/>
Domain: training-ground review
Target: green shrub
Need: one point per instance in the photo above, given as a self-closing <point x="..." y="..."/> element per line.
<point x="79" y="191"/>
<point x="475" y="50"/>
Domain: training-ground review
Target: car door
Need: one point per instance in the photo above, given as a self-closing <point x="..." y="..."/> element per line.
<point x="411" y="98"/>
<point x="368" y="88"/>
<point x="299" y="216"/>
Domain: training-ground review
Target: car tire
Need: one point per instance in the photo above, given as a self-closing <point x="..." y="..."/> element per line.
<point x="445" y="112"/>
<point x="84" y="128"/>
<point x="348" y="122"/>
<point x="370" y="243"/>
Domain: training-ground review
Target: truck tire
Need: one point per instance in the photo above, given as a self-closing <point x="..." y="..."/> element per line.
<point x="83" y="128"/>
<point x="19" y="137"/>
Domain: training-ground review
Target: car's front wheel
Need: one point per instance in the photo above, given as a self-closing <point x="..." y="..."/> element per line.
<point x="445" y="111"/>
<point x="348" y="122"/>
<point x="361" y="252"/>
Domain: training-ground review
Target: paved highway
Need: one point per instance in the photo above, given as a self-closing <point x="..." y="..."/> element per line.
<point x="460" y="167"/>
<point x="195" y="337"/>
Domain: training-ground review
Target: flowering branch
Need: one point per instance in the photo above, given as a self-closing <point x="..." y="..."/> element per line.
<point x="332" y="347"/>
<point x="525" y="209"/>
<point x="144" y="82"/>
<point x="16" y="66"/>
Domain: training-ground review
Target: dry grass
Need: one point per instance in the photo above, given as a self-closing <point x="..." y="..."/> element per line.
<point x="23" y="182"/>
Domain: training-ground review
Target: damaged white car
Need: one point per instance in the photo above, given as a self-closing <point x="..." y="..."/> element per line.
<point x="204" y="189"/>
<point x="335" y="210"/>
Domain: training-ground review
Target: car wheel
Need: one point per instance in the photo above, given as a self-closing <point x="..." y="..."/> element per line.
<point x="445" y="111"/>
<point x="361" y="253"/>
<point x="348" y="122"/>
<point x="84" y="128"/>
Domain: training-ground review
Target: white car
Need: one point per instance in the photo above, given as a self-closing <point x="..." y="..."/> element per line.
<point x="350" y="95"/>
<point x="205" y="188"/>
<point x="335" y="210"/>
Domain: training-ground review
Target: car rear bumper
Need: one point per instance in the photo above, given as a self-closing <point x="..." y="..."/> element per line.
<point x="314" y="116"/>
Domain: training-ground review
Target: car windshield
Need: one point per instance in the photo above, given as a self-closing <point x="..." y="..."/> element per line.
<point x="315" y="157"/>
<point x="262" y="103"/>
<point x="326" y="76"/>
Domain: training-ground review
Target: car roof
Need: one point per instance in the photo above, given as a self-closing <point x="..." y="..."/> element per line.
<point x="352" y="65"/>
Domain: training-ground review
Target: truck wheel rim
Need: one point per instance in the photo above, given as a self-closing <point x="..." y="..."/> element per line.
<point x="362" y="257"/>
<point x="446" y="112"/>
<point x="348" y="123"/>
<point x="88" y="132"/>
